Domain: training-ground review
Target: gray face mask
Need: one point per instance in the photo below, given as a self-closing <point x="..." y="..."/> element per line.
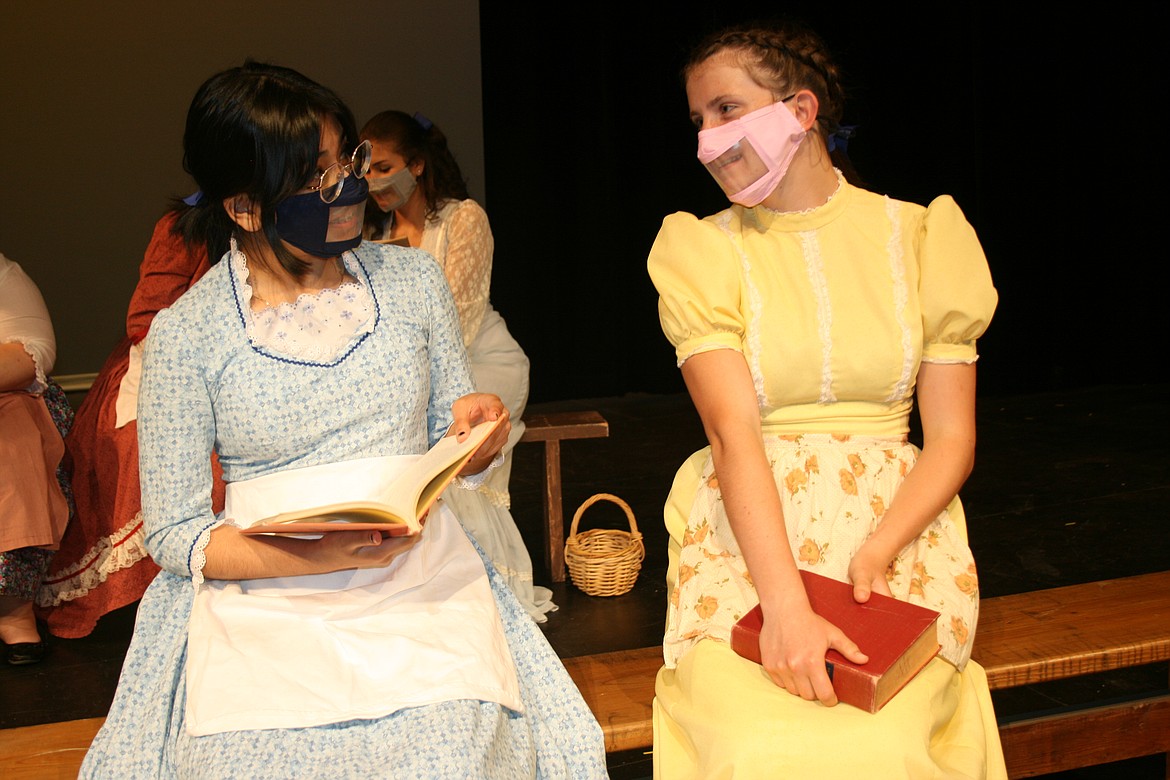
<point x="398" y="187"/>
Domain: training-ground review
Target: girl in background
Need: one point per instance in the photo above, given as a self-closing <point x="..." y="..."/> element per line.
<point x="419" y="198"/>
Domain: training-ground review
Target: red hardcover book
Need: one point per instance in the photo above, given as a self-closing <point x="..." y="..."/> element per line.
<point x="899" y="637"/>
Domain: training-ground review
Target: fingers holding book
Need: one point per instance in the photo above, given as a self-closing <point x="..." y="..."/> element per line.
<point x="363" y="549"/>
<point x="475" y="408"/>
<point x="793" y="655"/>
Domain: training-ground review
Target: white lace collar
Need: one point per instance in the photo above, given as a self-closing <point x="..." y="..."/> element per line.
<point x="811" y="209"/>
<point x="317" y="327"/>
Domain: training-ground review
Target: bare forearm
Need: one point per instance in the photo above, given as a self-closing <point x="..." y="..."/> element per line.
<point x="929" y="487"/>
<point x="753" y="509"/>
<point x="723" y="393"/>
<point x="233" y="556"/>
<point x="946" y="402"/>
<point x="17" y="369"/>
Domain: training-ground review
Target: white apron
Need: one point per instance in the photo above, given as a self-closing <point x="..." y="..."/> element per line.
<point x="302" y="651"/>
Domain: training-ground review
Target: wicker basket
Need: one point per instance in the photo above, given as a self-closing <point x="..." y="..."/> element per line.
<point x="604" y="562"/>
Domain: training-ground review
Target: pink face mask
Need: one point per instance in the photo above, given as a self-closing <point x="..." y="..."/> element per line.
<point x="749" y="156"/>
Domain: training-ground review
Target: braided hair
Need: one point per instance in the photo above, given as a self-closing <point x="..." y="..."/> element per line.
<point x="784" y="57"/>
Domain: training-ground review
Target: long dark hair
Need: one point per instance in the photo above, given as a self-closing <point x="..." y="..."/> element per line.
<point x="254" y="130"/>
<point x="416" y="138"/>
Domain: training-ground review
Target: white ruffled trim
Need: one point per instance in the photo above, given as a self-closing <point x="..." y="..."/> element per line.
<point x="816" y="275"/>
<point x="315" y="347"/>
<point x="950" y="361"/>
<point x="475" y="481"/>
<point x="755" y="303"/>
<point x="811" y="209"/>
<point x="120" y="550"/>
<point x="501" y="499"/>
<point x="701" y="349"/>
<point x="198" y="552"/>
<point x="901" y="296"/>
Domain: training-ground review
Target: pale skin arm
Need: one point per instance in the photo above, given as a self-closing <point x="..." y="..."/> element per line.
<point x="17" y="369"/>
<point x="794" y="639"/>
<point x="231" y="555"/>
<point x="946" y="405"/>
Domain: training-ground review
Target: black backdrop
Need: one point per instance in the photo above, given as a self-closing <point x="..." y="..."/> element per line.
<point x="1041" y="125"/>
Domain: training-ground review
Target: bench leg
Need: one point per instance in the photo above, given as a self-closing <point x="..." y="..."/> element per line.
<point x="554" y="519"/>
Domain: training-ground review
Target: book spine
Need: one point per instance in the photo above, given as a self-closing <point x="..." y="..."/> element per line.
<point x="745" y="643"/>
<point x="854" y="687"/>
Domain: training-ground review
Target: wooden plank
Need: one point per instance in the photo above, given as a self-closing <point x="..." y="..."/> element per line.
<point x="552" y="429"/>
<point x="554" y="518"/>
<point x="564" y="425"/>
<point x="53" y="751"/>
<point x="619" y="687"/>
<point x="1057" y="743"/>
<point x="1107" y="625"/>
<point x="1019" y="638"/>
<point x="1074" y="630"/>
<point x="74" y="383"/>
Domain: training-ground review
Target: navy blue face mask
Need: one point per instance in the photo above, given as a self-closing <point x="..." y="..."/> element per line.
<point x="324" y="229"/>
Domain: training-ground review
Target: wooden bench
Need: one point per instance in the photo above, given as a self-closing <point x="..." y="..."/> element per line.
<point x="552" y="429"/>
<point x="1022" y="639"/>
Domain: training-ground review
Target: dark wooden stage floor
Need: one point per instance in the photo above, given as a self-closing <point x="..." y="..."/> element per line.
<point x="1068" y="487"/>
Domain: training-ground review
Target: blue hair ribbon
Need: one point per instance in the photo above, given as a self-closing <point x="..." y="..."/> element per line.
<point x="839" y="138"/>
<point x="423" y="122"/>
<point x="194" y="199"/>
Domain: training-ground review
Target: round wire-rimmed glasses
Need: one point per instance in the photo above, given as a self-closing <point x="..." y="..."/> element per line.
<point x="330" y="182"/>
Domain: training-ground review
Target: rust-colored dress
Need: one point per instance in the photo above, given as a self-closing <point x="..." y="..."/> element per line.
<point x="101" y="564"/>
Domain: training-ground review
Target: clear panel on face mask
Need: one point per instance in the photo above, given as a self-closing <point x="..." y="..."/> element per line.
<point x="738" y="168"/>
<point x="391" y="192"/>
<point x="380" y="183"/>
<point x="345" y="222"/>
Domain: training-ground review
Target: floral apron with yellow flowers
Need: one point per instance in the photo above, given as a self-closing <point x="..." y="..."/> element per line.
<point x="834" y="491"/>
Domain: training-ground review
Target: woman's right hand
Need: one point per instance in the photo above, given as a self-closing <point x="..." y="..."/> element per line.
<point x="361" y="549"/>
<point x="793" y="649"/>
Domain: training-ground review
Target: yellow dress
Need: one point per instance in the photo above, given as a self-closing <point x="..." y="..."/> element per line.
<point x="834" y="309"/>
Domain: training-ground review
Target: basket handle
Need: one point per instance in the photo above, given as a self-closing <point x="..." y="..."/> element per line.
<point x="603" y="497"/>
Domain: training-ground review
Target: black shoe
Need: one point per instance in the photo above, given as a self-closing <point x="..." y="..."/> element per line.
<point x="24" y="653"/>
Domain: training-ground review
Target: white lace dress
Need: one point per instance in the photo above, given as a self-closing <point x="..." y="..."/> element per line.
<point x="461" y="240"/>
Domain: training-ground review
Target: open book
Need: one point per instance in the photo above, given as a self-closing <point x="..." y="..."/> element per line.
<point x="400" y="510"/>
<point x="899" y="637"/>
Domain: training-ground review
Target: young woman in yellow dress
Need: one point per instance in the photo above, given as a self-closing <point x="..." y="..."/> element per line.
<point x="807" y="319"/>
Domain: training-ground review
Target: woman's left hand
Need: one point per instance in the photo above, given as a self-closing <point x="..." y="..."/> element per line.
<point x="476" y="408"/>
<point x="867" y="572"/>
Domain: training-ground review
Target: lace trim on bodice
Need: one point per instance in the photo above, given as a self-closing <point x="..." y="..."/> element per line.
<point x="901" y="297"/>
<point x="316" y="327"/>
<point x="755" y="303"/>
<point x="811" y="209"/>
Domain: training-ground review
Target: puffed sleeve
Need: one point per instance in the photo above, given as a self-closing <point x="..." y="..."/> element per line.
<point x="695" y="268"/>
<point x="958" y="298"/>
<point x="24" y="318"/>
